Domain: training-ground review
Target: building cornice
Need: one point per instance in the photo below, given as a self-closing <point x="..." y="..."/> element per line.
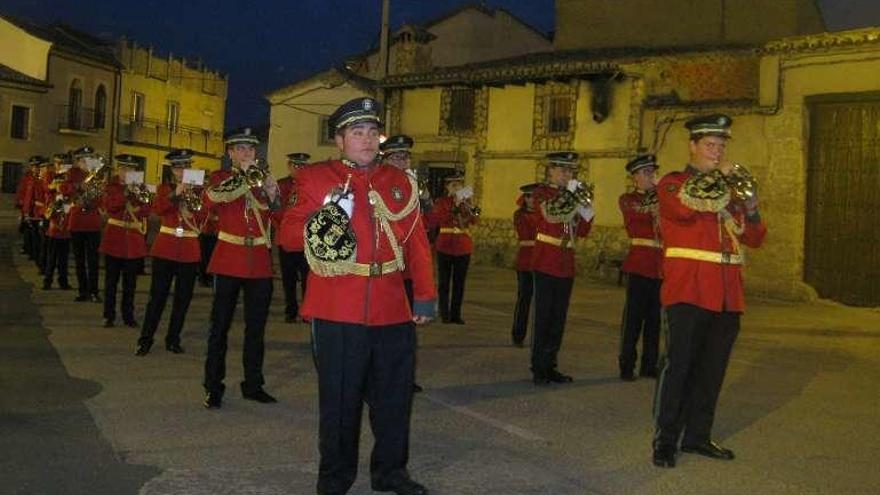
<point x="823" y="41"/>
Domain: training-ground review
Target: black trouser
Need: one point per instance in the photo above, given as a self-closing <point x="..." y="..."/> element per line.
<point x="641" y="315"/>
<point x="698" y="349"/>
<point x="206" y="244"/>
<point x="163" y="273"/>
<point x="85" y="253"/>
<point x="357" y="364"/>
<point x="128" y="269"/>
<point x="30" y="238"/>
<point x="58" y="251"/>
<point x="294" y="268"/>
<point x="257" y="296"/>
<point x="551" y="310"/>
<point x="524" y="284"/>
<point x="41" y="244"/>
<point x="454" y="268"/>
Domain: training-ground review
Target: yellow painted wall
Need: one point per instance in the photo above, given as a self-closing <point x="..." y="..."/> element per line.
<point x="294" y="123"/>
<point x="421" y="112"/>
<point x="510" y="122"/>
<point x="501" y="182"/>
<point x="610" y="180"/>
<point x="22" y="51"/>
<point x="612" y="133"/>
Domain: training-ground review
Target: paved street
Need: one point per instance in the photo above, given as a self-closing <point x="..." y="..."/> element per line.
<point x="80" y="414"/>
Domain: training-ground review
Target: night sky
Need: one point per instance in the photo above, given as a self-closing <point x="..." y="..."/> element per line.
<point x="267" y="44"/>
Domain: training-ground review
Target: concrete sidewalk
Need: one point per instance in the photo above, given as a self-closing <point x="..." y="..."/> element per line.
<point x="800" y="405"/>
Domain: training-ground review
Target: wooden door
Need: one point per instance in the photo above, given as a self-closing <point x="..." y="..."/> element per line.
<point x="842" y="257"/>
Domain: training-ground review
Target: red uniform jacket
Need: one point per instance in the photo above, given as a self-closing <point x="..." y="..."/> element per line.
<point x="707" y="284"/>
<point x="526" y="224"/>
<point x="237" y="218"/>
<point x="453" y="222"/>
<point x="171" y="243"/>
<point x="376" y="300"/>
<point x="23" y="193"/>
<point x="123" y="241"/>
<point x="553" y="253"/>
<point x="81" y="220"/>
<point x="39" y="190"/>
<point x="645" y="252"/>
<point x="287" y="186"/>
<point x="58" y="222"/>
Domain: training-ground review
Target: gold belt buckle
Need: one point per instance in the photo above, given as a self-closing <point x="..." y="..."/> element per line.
<point x="248" y="241"/>
<point x="375" y="269"/>
<point x="178" y="232"/>
<point x="725" y="258"/>
<point x="564" y="243"/>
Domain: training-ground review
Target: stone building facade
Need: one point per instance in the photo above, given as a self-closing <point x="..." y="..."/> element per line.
<point x="622" y="101"/>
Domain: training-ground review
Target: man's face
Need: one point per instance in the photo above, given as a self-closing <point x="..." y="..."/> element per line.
<point x="645" y="178"/>
<point x="359" y="142"/>
<point x="559" y="176"/>
<point x="453" y="186"/>
<point x="529" y="200"/>
<point x="707" y="152"/>
<point x="80" y="162"/>
<point x="399" y="159"/>
<point x="178" y="173"/>
<point x="292" y="168"/>
<point x="242" y="153"/>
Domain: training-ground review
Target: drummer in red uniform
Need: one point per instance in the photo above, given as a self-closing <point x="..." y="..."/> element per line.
<point x="175" y="254"/>
<point x="294" y="268"/>
<point x="360" y="220"/>
<point x="566" y="210"/>
<point x="704" y="223"/>
<point x="84" y="221"/>
<point x="525" y="222"/>
<point x="123" y="243"/>
<point x="453" y="214"/>
<point x="242" y="262"/>
<point x="641" y="314"/>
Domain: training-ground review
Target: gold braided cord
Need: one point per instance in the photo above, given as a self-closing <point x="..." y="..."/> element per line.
<point x="385" y="216"/>
<point x="129" y="208"/>
<point x="230" y="189"/>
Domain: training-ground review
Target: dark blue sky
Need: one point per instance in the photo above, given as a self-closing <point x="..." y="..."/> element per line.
<point x="266" y="44"/>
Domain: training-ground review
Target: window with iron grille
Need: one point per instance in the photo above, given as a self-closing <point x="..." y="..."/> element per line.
<point x="20" y="125"/>
<point x="558" y="117"/>
<point x="173" y="117"/>
<point x="326" y="135"/>
<point x="461" y="110"/>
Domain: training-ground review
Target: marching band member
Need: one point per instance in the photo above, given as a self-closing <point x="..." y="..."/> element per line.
<point x="453" y="214"/>
<point x="123" y="243"/>
<point x="525" y="222"/>
<point x="704" y="222"/>
<point x="359" y="219"/>
<point x="58" y="232"/>
<point x="566" y="215"/>
<point x="175" y="254"/>
<point x="242" y="198"/>
<point x="641" y="314"/>
<point x="294" y="268"/>
<point x="84" y="221"/>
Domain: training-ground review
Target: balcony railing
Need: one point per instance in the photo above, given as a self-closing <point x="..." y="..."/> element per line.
<point x="79" y="119"/>
<point x="159" y="133"/>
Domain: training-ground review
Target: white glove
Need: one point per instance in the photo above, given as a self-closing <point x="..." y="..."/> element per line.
<point x="346" y="203"/>
<point x="586" y="212"/>
<point x="464" y="193"/>
<point x="573" y="185"/>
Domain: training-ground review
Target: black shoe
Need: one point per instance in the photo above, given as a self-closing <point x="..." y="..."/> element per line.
<point x="540" y="380"/>
<point x="96" y="298"/>
<point x="457" y="321"/>
<point x="517" y="343"/>
<point x="65" y="287"/>
<point x="174" y="348"/>
<point x="142" y="349"/>
<point x="81" y="298"/>
<point x="259" y="395"/>
<point x="109" y="323"/>
<point x="445" y="319"/>
<point x="400" y="485"/>
<point x="709" y="449"/>
<point x="131" y="323"/>
<point x="213" y="400"/>
<point x="627" y="376"/>
<point x="47" y="286"/>
<point x="289" y="318"/>
<point x="664" y="456"/>
<point x="417" y="388"/>
<point x="557" y="377"/>
<point x="648" y="373"/>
